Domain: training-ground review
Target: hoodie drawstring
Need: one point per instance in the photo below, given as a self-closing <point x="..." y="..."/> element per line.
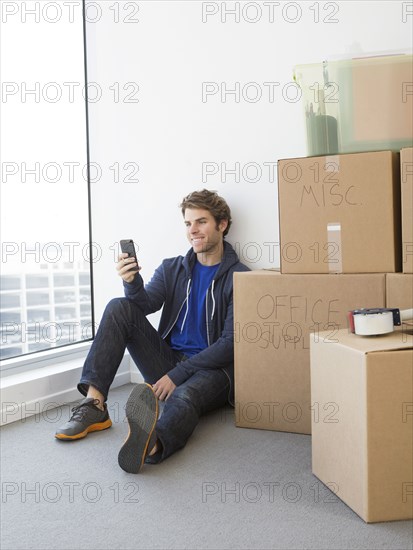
<point x="187" y="304"/>
<point x="213" y="299"/>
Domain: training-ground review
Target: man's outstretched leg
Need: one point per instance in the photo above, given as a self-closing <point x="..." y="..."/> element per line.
<point x="123" y="325"/>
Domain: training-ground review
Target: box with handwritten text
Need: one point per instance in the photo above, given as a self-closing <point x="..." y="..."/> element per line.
<point x="340" y="214"/>
<point x="276" y="317"/>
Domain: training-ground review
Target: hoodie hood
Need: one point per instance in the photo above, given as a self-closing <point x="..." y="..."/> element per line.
<point x="229" y="259"/>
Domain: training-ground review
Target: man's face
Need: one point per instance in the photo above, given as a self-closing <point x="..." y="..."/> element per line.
<point x="202" y="231"/>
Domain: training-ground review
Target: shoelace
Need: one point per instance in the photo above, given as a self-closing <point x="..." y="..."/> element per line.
<point x="80" y="411"/>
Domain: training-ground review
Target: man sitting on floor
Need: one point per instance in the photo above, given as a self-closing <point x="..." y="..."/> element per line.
<point x="188" y="362"/>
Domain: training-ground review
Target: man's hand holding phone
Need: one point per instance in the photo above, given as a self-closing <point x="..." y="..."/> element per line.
<point x="127" y="265"/>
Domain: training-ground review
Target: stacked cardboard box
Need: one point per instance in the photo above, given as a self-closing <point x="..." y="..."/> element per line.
<point x="342" y="248"/>
<point x="366" y="449"/>
<point x="276" y="316"/>
<point x="339" y="234"/>
<point x="340" y="214"/>
<point x="406" y="158"/>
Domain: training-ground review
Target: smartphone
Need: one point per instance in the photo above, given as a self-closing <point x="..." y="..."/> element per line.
<point x="127" y="245"/>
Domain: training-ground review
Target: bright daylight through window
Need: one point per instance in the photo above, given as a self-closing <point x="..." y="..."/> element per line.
<point x="45" y="251"/>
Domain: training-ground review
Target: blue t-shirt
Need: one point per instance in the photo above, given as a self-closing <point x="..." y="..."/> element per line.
<point x="189" y="334"/>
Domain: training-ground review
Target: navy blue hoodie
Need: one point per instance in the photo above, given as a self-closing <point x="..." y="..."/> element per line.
<point x="170" y="286"/>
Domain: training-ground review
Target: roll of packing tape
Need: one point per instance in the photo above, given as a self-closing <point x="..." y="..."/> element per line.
<point x="374" y="323"/>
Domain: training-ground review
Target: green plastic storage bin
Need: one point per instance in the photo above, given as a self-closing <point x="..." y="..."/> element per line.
<point x="355" y="105"/>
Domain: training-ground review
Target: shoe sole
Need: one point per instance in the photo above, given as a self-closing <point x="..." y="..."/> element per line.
<point x="141" y="414"/>
<point x="92" y="428"/>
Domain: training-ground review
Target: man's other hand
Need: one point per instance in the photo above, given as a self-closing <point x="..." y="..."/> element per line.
<point x="163" y="387"/>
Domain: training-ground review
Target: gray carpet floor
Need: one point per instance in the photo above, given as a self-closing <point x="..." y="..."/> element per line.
<point x="229" y="488"/>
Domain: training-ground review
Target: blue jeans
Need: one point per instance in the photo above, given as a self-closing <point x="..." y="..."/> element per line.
<point x="123" y="325"/>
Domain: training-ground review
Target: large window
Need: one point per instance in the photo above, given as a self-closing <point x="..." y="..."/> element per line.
<point x="46" y="298"/>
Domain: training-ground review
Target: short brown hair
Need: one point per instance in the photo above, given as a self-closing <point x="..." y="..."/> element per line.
<point x="211" y="201"/>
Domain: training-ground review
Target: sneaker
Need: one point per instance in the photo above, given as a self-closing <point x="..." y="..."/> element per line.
<point x="141" y="414"/>
<point x="86" y="417"/>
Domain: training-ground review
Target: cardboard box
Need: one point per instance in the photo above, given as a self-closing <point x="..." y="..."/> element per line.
<point x="365" y="451"/>
<point x="406" y="161"/>
<point x="274" y="315"/>
<point x="399" y="290"/>
<point x="399" y="293"/>
<point x="340" y="214"/>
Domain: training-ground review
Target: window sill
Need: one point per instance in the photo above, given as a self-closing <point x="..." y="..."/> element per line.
<point x="42" y="359"/>
<point x="51" y="382"/>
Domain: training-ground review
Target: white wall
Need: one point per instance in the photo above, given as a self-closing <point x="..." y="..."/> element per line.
<point x="171" y="132"/>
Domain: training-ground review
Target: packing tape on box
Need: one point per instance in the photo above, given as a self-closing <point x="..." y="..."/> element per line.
<point x="332" y="163"/>
<point x="334" y="256"/>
